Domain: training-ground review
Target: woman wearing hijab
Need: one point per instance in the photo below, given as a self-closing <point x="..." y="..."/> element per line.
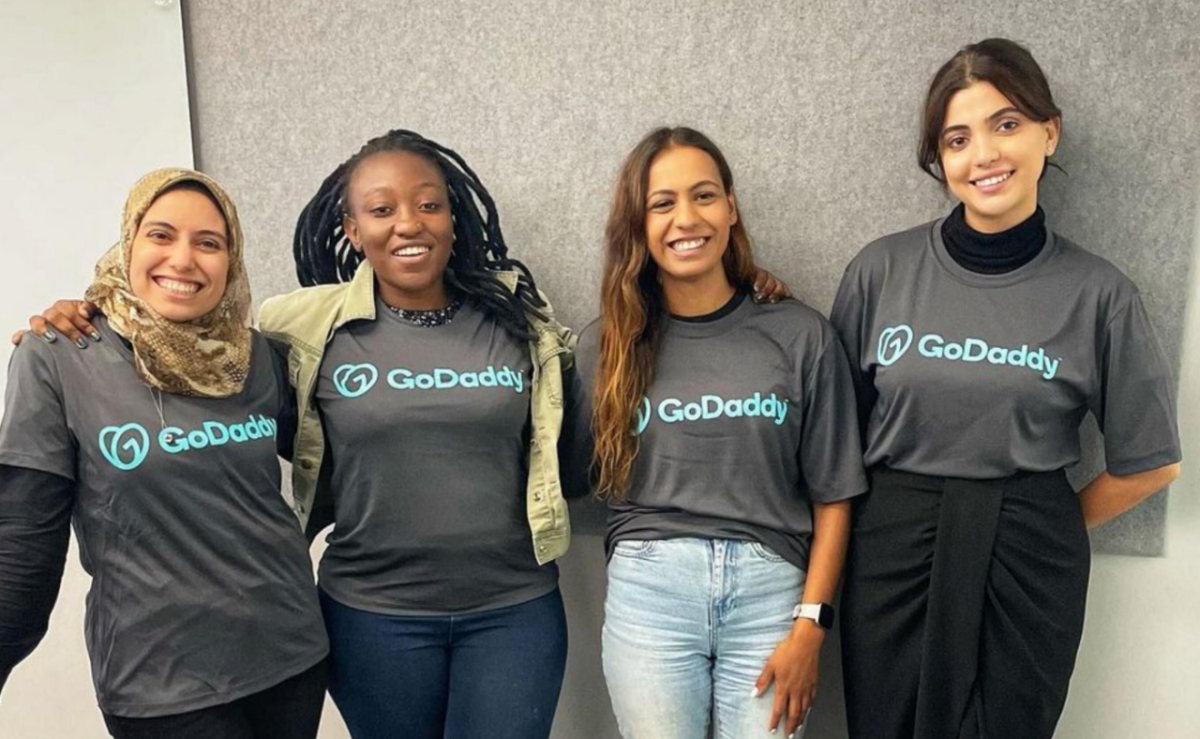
<point x="160" y="445"/>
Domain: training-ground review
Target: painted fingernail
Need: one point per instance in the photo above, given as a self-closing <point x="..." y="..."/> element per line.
<point x="81" y="343"/>
<point x="754" y="692"/>
<point x="95" y="335"/>
<point x="49" y="336"/>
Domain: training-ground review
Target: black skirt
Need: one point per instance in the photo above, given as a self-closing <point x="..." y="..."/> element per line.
<point x="963" y="606"/>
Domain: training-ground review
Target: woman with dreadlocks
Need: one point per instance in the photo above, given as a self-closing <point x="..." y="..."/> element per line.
<point x="430" y="382"/>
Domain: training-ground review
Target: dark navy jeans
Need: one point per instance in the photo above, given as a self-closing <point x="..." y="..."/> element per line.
<point x="495" y="674"/>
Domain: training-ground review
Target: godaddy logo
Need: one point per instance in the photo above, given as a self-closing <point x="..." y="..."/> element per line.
<point x="709" y="407"/>
<point x="125" y="447"/>
<point x="353" y="380"/>
<point x="643" y="416"/>
<point x="894" y="343"/>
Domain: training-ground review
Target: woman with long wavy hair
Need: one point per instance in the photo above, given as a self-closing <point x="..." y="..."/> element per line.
<point x="726" y="445"/>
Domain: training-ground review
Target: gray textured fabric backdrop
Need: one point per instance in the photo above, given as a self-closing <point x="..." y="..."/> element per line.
<point x="815" y="104"/>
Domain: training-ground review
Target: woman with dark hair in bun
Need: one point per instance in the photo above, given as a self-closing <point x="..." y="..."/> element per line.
<point x="978" y="343"/>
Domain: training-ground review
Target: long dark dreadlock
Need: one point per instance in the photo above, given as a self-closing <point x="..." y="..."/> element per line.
<point x="325" y="256"/>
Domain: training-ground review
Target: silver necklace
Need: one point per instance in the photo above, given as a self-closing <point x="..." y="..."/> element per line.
<point x="157" y="398"/>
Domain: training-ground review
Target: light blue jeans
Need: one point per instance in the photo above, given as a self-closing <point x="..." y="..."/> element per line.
<point x="688" y="626"/>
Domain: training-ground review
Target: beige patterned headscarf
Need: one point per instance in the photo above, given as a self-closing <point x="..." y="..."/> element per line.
<point x="206" y="357"/>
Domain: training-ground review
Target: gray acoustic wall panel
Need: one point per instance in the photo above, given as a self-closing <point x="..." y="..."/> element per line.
<point x="815" y="104"/>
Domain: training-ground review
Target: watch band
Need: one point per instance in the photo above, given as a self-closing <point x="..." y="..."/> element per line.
<point x="820" y="613"/>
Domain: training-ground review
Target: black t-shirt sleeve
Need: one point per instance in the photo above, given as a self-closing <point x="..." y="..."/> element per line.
<point x="575" y="444"/>
<point x="34" y="433"/>
<point x="849" y="319"/>
<point x="288" y="417"/>
<point x="830" y="455"/>
<point x="1135" y="407"/>
<point x="35" y="528"/>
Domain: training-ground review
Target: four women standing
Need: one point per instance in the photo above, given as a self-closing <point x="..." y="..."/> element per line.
<point x="724" y="435"/>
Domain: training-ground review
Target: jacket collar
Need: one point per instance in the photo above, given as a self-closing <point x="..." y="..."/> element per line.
<point x="360" y="295"/>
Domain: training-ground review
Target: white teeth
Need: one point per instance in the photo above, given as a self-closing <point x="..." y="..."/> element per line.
<point x="688" y="245"/>
<point x="993" y="180"/>
<point x="410" y="251"/>
<point x="175" y="286"/>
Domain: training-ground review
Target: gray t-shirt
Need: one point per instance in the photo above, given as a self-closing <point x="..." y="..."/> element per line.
<point x="202" y="589"/>
<point x="981" y="376"/>
<point x="750" y="418"/>
<point x="427" y="429"/>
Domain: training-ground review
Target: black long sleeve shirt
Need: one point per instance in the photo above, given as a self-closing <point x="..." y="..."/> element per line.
<point x="35" y="529"/>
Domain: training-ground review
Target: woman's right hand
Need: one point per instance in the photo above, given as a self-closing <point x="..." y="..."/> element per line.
<point x="67" y="318"/>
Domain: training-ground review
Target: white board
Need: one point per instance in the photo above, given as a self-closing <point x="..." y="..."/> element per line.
<point x="92" y="95"/>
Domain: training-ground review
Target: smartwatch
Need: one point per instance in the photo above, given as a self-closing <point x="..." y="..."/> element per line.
<point x="821" y="613"/>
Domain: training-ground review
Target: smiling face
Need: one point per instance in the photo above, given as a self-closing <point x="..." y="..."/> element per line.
<point x="179" y="262"/>
<point x="399" y="218"/>
<point x="688" y="217"/>
<point x="992" y="156"/>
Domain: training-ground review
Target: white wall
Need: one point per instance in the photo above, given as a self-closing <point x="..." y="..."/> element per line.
<point x="1139" y="665"/>
<point x="92" y="95"/>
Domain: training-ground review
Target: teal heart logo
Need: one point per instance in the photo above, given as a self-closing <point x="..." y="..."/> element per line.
<point x="893" y="343"/>
<point x="125" y="447"/>
<point x="352" y="380"/>
<point x="643" y="416"/>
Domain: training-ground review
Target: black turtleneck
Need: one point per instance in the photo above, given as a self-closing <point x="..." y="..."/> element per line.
<point x="993" y="254"/>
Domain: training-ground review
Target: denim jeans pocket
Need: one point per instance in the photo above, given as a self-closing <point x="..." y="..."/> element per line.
<point x="765" y="552"/>
<point x="636" y="548"/>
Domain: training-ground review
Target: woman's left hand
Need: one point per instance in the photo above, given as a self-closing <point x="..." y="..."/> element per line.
<point x="793" y="667"/>
<point x="768" y="288"/>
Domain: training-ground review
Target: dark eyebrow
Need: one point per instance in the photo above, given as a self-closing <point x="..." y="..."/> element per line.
<point x="699" y="184"/>
<point x="419" y="186"/>
<point x="203" y="232"/>
<point x="991" y="119"/>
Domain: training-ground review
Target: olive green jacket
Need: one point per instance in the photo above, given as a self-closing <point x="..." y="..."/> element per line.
<point x="305" y="320"/>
